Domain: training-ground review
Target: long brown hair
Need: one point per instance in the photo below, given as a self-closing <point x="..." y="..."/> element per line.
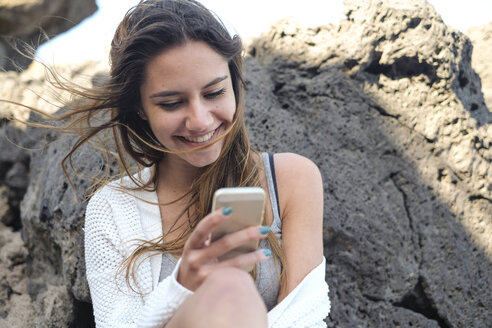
<point x="147" y="30"/>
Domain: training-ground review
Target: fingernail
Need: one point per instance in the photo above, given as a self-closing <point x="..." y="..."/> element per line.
<point x="267" y="252"/>
<point x="264" y="230"/>
<point x="227" y="210"/>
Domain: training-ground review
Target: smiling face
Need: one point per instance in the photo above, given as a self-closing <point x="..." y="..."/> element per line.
<point x="188" y="101"/>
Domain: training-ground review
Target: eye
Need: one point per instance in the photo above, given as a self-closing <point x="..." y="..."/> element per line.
<point x="214" y="94"/>
<point x="170" y="105"/>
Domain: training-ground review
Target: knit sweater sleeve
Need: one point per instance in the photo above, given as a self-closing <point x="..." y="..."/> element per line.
<point x="109" y="223"/>
<point x="306" y="306"/>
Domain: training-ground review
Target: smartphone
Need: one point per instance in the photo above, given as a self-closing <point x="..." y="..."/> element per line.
<point x="248" y="207"/>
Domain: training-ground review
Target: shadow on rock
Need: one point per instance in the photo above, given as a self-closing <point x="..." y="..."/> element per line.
<point x="405" y="160"/>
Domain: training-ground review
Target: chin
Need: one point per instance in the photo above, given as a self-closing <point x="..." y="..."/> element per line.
<point x="202" y="157"/>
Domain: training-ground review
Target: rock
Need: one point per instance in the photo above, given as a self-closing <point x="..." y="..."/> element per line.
<point x="14" y="163"/>
<point x="52" y="225"/>
<point x="6" y="214"/>
<point x="16" y="309"/>
<point x="21" y="312"/>
<point x="17" y="176"/>
<point x="53" y="216"/>
<point x="389" y="107"/>
<point x="481" y="37"/>
<point x="55" y="307"/>
<point x="32" y="21"/>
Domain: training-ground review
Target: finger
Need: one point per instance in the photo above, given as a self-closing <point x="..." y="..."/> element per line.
<point x="203" y="229"/>
<point x="246" y="260"/>
<point x="235" y="240"/>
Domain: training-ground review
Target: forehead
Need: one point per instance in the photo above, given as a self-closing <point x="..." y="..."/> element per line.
<point x="192" y="64"/>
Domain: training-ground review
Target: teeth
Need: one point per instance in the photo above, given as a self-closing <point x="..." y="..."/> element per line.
<point x="200" y="139"/>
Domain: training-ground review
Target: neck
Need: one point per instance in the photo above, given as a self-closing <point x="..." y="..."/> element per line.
<point x="176" y="175"/>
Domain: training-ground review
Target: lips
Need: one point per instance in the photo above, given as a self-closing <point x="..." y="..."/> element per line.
<point x="204" y="138"/>
<point x="200" y="140"/>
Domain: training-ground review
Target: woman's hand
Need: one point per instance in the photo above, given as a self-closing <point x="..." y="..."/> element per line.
<point x="199" y="256"/>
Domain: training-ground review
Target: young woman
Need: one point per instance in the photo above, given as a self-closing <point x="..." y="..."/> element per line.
<point x="176" y="100"/>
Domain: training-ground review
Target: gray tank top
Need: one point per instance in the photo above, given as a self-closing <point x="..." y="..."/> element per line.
<point x="267" y="271"/>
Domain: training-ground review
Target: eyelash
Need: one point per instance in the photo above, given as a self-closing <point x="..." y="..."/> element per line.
<point x="210" y="96"/>
<point x="169" y="106"/>
<point x="215" y="94"/>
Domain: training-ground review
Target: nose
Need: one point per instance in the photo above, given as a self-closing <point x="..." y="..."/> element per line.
<point x="198" y="118"/>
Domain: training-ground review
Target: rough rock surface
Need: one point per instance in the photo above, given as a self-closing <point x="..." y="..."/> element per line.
<point x="389" y="107"/>
<point x="16" y="308"/>
<point x="22" y="19"/>
<point x="392" y="112"/>
<point x="481" y="37"/>
<point x="52" y="218"/>
<point x="403" y="138"/>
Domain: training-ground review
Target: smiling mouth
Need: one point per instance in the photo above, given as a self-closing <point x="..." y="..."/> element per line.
<point x="202" y="139"/>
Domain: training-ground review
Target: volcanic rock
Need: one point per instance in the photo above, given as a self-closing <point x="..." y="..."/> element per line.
<point x="34" y="21"/>
<point x="389" y="107"/>
<point x="481" y="37"/>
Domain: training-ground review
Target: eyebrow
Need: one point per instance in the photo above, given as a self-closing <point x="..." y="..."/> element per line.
<point x="174" y="93"/>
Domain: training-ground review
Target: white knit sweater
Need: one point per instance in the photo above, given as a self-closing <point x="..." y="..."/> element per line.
<point x="115" y="222"/>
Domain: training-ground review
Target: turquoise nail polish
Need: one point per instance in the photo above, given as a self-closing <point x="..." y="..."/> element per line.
<point x="227" y="210"/>
<point x="264" y="230"/>
<point x="267" y="252"/>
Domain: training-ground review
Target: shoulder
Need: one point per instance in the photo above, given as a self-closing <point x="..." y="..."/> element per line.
<point x="114" y="200"/>
<point x="298" y="180"/>
<point x="113" y="212"/>
<point x="294" y="162"/>
<point x="300" y="193"/>
<point x="120" y="190"/>
<point x="296" y="170"/>
<point x="107" y="195"/>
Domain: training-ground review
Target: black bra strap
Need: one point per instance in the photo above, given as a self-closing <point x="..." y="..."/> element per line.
<point x="274" y="178"/>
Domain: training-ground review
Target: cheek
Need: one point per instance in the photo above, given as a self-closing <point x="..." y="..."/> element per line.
<point x="163" y="124"/>
<point x="230" y="108"/>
